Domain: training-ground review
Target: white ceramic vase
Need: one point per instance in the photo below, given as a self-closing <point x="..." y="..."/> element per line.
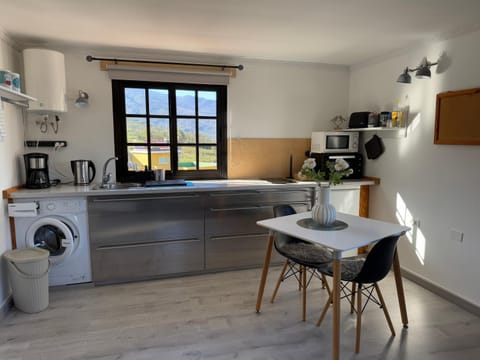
<point x="323" y="212"/>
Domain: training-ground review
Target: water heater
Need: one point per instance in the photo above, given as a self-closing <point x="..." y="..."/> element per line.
<point x="45" y="79"/>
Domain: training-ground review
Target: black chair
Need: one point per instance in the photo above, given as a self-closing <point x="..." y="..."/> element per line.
<point x="360" y="271"/>
<point x="301" y="257"/>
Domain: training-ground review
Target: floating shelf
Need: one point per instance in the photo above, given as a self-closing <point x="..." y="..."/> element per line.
<point x="15" y="97"/>
<point x="380" y="129"/>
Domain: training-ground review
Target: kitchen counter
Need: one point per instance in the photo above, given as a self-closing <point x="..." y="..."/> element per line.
<point x="66" y="190"/>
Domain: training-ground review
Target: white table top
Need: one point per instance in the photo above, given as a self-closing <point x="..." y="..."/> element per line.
<point x="360" y="231"/>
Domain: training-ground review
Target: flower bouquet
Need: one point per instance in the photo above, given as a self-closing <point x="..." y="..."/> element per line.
<point x="323" y="213"/>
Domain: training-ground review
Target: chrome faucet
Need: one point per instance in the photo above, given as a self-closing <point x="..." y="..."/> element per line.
<point x="106" y="177"/>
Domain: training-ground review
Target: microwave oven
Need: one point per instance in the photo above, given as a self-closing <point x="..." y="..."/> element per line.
<point x="334" y="142"/>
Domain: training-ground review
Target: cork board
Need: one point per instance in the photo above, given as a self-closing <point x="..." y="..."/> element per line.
<point x="457" y="117"/>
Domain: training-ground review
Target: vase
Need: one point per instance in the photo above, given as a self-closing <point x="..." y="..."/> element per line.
<point x="323" y="213"/>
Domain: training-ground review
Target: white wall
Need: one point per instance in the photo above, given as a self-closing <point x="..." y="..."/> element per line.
<point x="267" y="99"/>
<point x="11" y="149"/>
<point x="286" y="100"/>
<point x="437" y="183"/>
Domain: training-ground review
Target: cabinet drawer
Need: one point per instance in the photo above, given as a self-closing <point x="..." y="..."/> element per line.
<point x="142" y="261"/>
<point x="236" y="220"/>
<point x="127" y="220"/>
<point x="259" y="197"/>
<point x="225" y="252"/>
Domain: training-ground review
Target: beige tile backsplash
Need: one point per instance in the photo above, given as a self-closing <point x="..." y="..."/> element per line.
<point x="261" y="158"/>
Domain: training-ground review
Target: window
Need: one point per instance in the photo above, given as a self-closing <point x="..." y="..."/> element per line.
<point x="177" y="127"/>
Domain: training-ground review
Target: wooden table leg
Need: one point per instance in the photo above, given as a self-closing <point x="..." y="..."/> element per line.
<point x="266" y="264"/>
<point x="400" y="292"/>
<point x="336" y="307"/>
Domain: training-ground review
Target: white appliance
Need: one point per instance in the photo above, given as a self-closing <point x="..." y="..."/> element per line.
<point x="334" y="142"/>
<point x="61" y="227"/>
<point x="45" y="80"/>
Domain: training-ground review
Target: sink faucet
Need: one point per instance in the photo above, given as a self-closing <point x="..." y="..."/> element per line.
<point x="106" y="177"/>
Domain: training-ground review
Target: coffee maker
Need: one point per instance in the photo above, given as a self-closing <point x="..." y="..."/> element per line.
<point x="36" y="169"/>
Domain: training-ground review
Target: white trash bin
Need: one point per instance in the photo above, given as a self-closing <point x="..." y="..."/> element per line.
<point x="28" y="275"/>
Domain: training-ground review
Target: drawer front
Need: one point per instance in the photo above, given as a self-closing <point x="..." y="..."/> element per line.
<point x="259" y="197"/>
<point x="136" y="262"/>
<point x="236" y="220"/>
<point x="225" y="252"/>
<point x="116" y="221"/>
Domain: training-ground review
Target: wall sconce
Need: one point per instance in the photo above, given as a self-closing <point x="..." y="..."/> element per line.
<point x="82" y="100"/>
<point x="422" y="72"/>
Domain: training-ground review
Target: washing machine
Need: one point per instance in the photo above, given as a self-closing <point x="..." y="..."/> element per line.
<point x="60" y="226"/>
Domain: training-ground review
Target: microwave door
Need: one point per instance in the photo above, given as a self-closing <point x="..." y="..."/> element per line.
<point x="333" y="157"/>
<point x="337" y="142"/>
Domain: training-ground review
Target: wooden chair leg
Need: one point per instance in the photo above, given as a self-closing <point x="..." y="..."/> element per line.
<point x="352" y="300"/>
<point x="280" y="279"/>
<point x="304" y="293"/>
<point x="384" y="307"/>
<point x="359" y="318"/>
<point x="325" y="309"/>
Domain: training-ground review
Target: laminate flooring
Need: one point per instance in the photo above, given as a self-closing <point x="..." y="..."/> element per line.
<point x="213" y="316"/>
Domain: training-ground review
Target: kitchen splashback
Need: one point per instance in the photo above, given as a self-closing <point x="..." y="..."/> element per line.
<point x="265" y="158"/>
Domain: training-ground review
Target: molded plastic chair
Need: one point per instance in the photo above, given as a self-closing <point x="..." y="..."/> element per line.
<point x="301" y="257"/>
<point x="360" y="271"/>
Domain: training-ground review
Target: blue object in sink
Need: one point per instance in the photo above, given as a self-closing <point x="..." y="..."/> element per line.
<point x="175" y="182"/>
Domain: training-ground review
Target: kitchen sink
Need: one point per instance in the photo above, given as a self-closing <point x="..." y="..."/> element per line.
<point x="117" y="186"/>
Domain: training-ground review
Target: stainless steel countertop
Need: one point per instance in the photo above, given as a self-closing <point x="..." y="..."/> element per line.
<point x="195" y="185"/>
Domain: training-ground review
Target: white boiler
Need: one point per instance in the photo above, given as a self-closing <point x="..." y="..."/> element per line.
<point x="45" y="79"/>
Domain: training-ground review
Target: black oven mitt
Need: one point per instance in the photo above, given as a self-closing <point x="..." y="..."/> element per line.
<point x="374" y="147"/>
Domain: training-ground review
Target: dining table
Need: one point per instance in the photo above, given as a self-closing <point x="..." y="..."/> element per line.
<point x="349" y="232"/>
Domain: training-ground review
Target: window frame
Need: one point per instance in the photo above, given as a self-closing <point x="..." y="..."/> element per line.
<point x="120" y="130"/>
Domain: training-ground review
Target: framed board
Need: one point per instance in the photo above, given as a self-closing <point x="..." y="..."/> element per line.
<point x="457" y="117"/>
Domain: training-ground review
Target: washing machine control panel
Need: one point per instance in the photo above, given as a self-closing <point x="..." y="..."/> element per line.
<point x="62" y="206"/>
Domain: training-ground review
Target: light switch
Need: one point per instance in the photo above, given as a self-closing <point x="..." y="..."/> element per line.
<point x="456" y="235"/>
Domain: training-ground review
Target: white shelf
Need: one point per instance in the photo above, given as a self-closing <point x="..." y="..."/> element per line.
<point x="380" y="129"/>
<point x="15" y="97"/>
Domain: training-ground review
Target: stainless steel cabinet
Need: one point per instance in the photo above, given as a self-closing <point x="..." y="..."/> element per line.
<point x="139" y="237"/>
<point x="232" y="238"/>
<point x="147" y="236"/>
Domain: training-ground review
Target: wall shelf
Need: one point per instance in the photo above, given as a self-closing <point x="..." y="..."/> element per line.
<point x="15" y="97"/>
<point x="396" y="130"/>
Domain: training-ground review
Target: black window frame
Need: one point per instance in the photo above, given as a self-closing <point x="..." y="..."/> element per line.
<point x="120" y="130"/>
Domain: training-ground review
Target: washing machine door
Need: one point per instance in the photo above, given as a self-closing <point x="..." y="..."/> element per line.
<point x="53" y="235"/>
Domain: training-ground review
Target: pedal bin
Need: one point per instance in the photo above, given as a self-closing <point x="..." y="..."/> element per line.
<point x="28" y="275"/>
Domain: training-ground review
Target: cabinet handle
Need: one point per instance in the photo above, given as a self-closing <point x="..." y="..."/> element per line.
<point x="242" y="208"/>
<point x="223" y="237"/>
<point x="231" y="194"/>
<point x="146" y="198"/>
<point x="150" y="243"/>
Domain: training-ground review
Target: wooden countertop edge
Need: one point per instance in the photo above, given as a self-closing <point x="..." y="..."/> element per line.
<point x="6" y="193"/>
<point x="374" y="179"/>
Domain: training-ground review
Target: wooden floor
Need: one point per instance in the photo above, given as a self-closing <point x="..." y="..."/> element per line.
<point x="212" y="317"/>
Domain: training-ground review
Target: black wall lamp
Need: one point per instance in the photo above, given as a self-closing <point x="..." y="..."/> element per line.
<point x="82" y="100"/>
<point x="422" y="72"/>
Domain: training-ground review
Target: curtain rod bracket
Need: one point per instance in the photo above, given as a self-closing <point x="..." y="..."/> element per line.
<point x="90" y="58"/>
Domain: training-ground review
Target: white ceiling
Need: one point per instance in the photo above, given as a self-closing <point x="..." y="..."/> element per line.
<point x="325" y="31"/>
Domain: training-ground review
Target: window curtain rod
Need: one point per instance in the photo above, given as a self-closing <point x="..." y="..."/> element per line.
<point x="92" y="58"/>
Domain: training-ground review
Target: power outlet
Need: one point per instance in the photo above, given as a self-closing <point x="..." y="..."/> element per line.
<point x="456" y="235"/>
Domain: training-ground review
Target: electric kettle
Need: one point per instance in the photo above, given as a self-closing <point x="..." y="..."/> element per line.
<point x="83" y="171"/>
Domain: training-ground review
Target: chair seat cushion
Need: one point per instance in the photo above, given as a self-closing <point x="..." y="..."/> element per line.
<point x="351" y="267"/>
<point x="305" y="253"/>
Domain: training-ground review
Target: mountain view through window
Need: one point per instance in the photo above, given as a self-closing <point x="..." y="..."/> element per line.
<point x="171" y="127"/>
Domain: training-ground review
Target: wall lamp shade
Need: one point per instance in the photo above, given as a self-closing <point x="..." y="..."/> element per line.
<point x="422" y="71"/>
<point x="82" y="100"/>
<point x="405" y="77"/>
